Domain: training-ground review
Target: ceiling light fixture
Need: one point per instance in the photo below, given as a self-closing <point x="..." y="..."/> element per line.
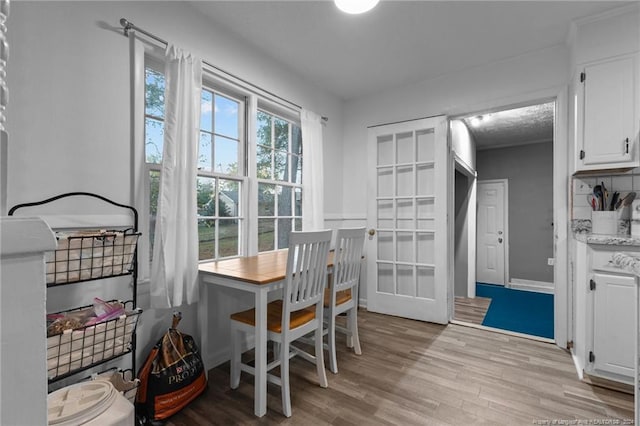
<point x="356" y="6"/>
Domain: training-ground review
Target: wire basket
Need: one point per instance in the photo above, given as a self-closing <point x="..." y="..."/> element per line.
<point x="90" y="255"/>
<point x="84" y="347"/>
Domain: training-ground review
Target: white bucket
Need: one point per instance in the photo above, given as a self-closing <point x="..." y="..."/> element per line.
<point x="93" y="403"/>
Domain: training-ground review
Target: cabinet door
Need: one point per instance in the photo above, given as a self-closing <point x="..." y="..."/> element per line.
<point x="614" y="324"/>
<point x="609" y="119"/>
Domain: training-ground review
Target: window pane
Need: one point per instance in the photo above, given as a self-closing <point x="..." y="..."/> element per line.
<point x="206" y="196"/>
<point x="206" y="111"/>
<point x="226" y="155"/>
<point x="284" y="230"/>
<point x="226" y="117"/>
<point x="298" y="202"/>
<point x="207" y="239"/>
<point x="296" y="168"/>
<point x="264" y="129"/>
<point x="228" y="237"/>
<point x="263" y="162"/>
<point x="229" y="195"/>
<point x="296" y="140"/>
<point x="298" y="223"/>
<point x="266" y="199"/>
<point x="153" y="140"/>
<point x="204" y="152"/>
<point x="265" y="234"/>
<point x="281" y="164"/>
<point x="154" y="93"/>
<point x="281" y="134"/>
<point x="284" y="201"/>
<point x="154" y="190"/>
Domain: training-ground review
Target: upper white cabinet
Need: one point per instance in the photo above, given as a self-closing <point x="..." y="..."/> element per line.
<point x="607" y="126"/>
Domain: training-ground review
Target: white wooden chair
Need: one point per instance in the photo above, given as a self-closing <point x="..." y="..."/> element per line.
<point x="299" y="312"/>
<point x="342" y="295"/>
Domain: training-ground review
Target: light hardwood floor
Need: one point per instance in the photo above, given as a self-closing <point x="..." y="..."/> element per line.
<point x="416" y="373"/>
<point x="471" y="310"/>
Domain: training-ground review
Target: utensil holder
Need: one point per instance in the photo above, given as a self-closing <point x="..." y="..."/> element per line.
<point x="604" y="222"/>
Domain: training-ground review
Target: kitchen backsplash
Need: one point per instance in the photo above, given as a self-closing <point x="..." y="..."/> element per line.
<point x="582" y="189"/>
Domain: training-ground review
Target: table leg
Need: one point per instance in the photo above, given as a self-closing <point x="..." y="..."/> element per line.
<point x="260" y="396"/>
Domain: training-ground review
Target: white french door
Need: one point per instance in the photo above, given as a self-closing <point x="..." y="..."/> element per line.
<point x="492" y="232"/>
<point x="407" y="192"/>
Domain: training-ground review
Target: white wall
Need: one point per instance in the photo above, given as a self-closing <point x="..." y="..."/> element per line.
<point x="464" y="148"/>
<point x="533" y="76"/>
<point x="463" y="145"/>
<point x="609" y="34"/>
<point x="69" y="112"/>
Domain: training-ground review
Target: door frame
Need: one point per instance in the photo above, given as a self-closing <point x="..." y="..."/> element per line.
<point x="562" y="136"/>
<point x="468" y="171"/>
<point x="505" y="213"/>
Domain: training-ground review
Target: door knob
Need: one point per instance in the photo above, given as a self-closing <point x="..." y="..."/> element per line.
<point x="372" y="232"/>
<point x="500" y="240"/>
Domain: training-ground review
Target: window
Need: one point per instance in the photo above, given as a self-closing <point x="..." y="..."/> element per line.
<point x="220" y="166"/>
<point x="279" y="173"/>
<point x="245" y="204"/>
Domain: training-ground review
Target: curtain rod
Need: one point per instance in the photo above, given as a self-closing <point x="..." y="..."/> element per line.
<point x="127" y="25"/>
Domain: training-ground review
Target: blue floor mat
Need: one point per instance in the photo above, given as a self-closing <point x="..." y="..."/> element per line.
<point x="517" y="310"/>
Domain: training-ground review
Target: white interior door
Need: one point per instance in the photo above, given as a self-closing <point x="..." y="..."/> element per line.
<point x="491" y="232"/>
<point x="407" y="193"/>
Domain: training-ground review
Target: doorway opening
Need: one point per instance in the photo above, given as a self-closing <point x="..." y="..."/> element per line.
<point x="508" y="282"/>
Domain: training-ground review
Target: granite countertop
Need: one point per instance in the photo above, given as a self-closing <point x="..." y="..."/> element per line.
<point x="628" y="261"/>
<point x="612" y="240"/>
<point x="582" y="232"/>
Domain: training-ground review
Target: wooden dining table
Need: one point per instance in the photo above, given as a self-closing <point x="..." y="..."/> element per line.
<point x="258" y="275"/>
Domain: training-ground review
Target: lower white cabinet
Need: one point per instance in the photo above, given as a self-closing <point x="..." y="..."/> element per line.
<point x="612" y="350"/>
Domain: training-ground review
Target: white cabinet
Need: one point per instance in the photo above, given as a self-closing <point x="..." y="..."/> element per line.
<point x="607" y="131"/>
<point x="614" y="325"/>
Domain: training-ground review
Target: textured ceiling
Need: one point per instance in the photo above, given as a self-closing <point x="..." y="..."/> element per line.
<point x="516" y="126"/>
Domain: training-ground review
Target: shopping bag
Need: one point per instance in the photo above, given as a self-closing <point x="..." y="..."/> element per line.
<point x="172" y="376"/>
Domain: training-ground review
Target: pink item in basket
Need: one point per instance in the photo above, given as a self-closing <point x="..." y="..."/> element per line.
<point x="105" y="311"/>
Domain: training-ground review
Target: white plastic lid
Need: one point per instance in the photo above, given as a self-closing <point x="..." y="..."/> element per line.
<point x="79" y="403"/>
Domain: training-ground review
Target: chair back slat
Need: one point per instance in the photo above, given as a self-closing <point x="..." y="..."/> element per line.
<point x="306" y="271"/>
<point x="348" y="258"/>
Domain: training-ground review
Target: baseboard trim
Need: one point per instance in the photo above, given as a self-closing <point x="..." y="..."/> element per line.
<point x="608" y="384"/>
<point x="577" y="364"/>
<point x="531" y="285"/>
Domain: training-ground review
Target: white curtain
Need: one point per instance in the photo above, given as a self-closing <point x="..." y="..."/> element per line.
<point x="174" y="270"/>
<point x="312" y="171"/>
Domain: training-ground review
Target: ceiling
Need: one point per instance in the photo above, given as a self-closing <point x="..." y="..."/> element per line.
<point x="398" y="42"/>
<point x="404" y="42"/>
<point x="514" y="126"/>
